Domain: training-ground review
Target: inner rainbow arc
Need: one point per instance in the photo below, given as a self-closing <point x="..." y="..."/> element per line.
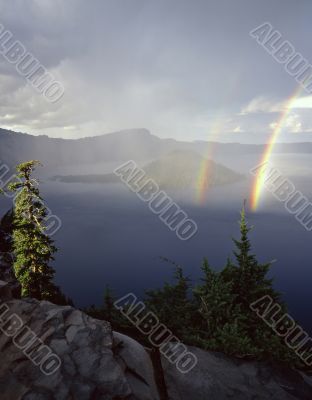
<point x="259" y="181"/>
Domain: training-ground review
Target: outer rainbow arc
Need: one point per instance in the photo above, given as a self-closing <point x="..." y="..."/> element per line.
<point x="259" y="180"/>
<point x="204" y="173"/>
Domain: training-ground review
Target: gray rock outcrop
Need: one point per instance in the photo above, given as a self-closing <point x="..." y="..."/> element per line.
<point x="98" y="364"/>
<point x="89" y="367"/>
<point x="219" y="377"/>
<point x="137" y="367"/>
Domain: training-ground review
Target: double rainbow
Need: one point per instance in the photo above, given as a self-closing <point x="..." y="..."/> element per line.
<point x="258" y="183"/>
<point x="204" y="175"/>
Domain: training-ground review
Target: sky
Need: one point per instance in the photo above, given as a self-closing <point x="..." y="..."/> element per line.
<point x="184" y="69"/>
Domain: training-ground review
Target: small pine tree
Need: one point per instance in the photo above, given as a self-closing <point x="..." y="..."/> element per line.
<point x="248" y="281"/>
<point x="172" y="305"/>
<point x="215" y="299"/>
<point x="219" y="317"/>
<point x="109" y="308"/>
<point x="33" y="249"/>
<point x="108" y="312"/>
<point x="249" y="277"/>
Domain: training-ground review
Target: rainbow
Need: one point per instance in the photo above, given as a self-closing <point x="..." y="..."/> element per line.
<point x="203" y="180"/>
<point x="259" y="180"/>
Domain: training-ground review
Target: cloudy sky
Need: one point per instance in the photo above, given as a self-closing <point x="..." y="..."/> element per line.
<point x="186" y="69"/>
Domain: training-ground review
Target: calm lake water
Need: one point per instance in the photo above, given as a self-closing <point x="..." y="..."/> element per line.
<point x="110" y="237"/>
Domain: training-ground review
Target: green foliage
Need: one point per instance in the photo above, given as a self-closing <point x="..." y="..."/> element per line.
<point x="109" y="313"/>
<point x="6" y="242"/>
<point x="172" y="305"/>
<point x="249" y="278"/>
<point x="33" y="249"/>
<point x="218" y="316"/>
<point x="214" y="299"/>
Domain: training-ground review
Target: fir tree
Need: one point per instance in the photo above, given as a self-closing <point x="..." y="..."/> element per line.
<point x="248" y="276"/>
<point x="215" y="299"/>
<point x="249" y="282"/>
<point x="172" y="304"/>
<point x="216" y="314"/>
<point x="218" y="317"/>
<point x="109" y="308"/>
<point x="33" y="249"/>
<point x="108" y="312"/>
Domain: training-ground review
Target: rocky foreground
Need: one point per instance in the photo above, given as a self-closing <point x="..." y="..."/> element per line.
<point x="98" y="364"/>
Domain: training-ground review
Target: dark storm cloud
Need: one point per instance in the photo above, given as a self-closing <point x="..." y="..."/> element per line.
<point x="174" y="67"/>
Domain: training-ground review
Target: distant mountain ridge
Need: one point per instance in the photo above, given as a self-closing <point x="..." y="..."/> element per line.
<point x="136" y="144"/>
<point x="177" y="170"/>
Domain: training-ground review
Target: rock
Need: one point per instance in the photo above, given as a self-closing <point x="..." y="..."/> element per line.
<point x="80" y="358"/>
<point x="137" y="366"/>
<point x="219" y="377"/>
<point x="89" y="368"/>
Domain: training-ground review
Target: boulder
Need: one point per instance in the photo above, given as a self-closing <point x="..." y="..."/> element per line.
<point x="219" y="377"/>
<point x="51" y="352"/>
<point x="89" y="369"/>
<point x="137" y="366"/>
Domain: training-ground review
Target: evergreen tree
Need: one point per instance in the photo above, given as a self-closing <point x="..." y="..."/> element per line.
<point x="220" y="320"/>
<point x="249" y="277"/>
<point x="215" y="299"/>
<point x="226" y="298"/>
<point x="109" y="309"/>
<point x="172" y="305"/>
<point x="218" y="317"/>
<point x="33" y="249"/>
<point x="108" y="312"/>
<point x="216" y="314"/>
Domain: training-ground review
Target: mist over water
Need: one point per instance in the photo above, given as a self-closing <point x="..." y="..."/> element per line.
<point x="110" y="237"/>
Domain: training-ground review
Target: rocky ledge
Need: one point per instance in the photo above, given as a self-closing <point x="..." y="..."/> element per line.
<point x="50" y="352"/>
